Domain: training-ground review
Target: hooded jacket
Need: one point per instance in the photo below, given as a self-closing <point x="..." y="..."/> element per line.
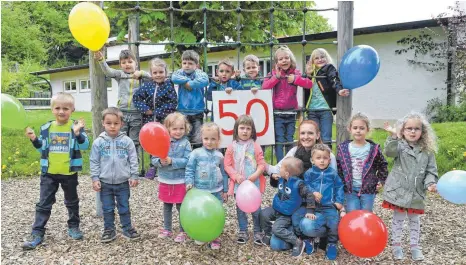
<point x="113" y="160"/>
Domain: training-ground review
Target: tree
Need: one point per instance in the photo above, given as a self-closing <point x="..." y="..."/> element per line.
<point x="188" y="27"/>
<point x="448" y="53"/>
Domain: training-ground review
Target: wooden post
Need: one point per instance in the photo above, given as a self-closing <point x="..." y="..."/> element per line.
<point x="99" y="101"/>
<point x="133" y="35"/>
<point x="345" y="42"/>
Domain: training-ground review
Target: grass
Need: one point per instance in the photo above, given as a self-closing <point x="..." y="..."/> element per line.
<point x="20" y="159"/>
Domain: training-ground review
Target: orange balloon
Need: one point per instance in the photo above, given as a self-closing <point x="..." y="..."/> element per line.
<point x="155" y="139"/>
<point x="363" y="234"/>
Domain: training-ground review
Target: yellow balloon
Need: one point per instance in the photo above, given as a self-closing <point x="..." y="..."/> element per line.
<point x="89" y="25"/>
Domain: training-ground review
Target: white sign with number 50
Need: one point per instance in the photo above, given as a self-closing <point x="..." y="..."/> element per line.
<point x="227" y="108"/>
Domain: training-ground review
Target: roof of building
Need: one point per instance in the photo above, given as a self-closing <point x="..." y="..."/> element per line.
<point x="309" y="37"/>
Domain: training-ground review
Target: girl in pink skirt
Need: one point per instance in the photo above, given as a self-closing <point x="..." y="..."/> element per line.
<point x="171" y="172"/>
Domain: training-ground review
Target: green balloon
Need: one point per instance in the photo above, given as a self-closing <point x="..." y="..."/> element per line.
<point x="202" y="215"/>
<point x="13" y="113"/>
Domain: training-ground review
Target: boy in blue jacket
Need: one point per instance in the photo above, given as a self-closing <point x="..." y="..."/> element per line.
<point x="114" y="168"/>
<point x="326" y="185"/>
<point x="191" y="83"/>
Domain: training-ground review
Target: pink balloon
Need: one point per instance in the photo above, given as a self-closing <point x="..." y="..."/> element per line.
<point x="248" y="197"/>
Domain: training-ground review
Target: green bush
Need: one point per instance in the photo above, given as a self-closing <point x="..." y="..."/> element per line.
<point x="440" y="112"/>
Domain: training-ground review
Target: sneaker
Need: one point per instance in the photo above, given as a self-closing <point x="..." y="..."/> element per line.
<point x="199" y="243"/>
<point x="416" y="253"/>
<point x="181" y="237"/>
<point x="131" y="234"/>
<point x="258" y="238"/>
<point x="150" y="174"/>
<point x="108" y="236"/>
<point x="33" y="242"/>
<point x="266" y="240"/>
<point x="298" y="248"/>
<point x="309" y="246"/>
<point x="397" y="252"/>
<point x="75" y="233"/>
<point x="164" y="233"/>
<point x="215" y="244"/>
<point x="242" y="237"/>
<point x="332" y="251"/>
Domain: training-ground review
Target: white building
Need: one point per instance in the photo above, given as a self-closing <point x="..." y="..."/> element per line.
<point x="398" y="88"/>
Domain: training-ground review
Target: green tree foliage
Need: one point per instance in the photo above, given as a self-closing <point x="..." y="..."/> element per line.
<point x="221" y="26"/>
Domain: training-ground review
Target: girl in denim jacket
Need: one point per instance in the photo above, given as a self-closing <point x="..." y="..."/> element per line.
<point x="171" y="171"/>
<point x="205" y="170"/>
<point x="414" y="171"/>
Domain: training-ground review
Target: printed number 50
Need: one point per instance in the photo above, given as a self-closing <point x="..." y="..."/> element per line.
<point x="233" y="115"/>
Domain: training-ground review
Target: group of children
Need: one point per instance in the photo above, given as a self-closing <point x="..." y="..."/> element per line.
<point x="314" y="188"/>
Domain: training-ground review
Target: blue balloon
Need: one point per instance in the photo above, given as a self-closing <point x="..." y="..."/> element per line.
<point x="452" y="186"/>
<point x="359" y="66"/>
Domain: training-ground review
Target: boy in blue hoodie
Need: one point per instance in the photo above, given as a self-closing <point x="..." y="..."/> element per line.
<point x="326" y="185"/>
<point x="191" y="83"/>
<point x="292" y="192"/>
<point x="114" y="168"/>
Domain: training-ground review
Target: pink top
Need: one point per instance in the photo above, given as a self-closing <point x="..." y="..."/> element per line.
<point x="284" y="94"/>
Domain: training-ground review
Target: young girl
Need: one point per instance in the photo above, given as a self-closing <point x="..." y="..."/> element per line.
<point x="244" y="160"/>
<point x="323" y="96"/>
<point x="155" y="100"/>
<point x="361" y="166"/>
<point x="414" y="171"/>
<point x="284" y="80"/>
<point x="205" y="169"/>
<point x="171" y="172"/>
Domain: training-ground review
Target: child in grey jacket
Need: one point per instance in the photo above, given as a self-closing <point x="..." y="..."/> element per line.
<point x="114" y="168"/>
<point x="413" y="145"/>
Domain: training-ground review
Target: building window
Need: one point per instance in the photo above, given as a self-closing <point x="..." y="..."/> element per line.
<point x="69" y="86"/>
<point x="84" y="85"/>
<point x="211" y="70"/>
<point x="108" y="83"/>
<point x="265" y="66"/>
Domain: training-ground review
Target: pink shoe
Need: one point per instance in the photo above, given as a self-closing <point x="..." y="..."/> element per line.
<point x="165" y="233"/>
<point x="181" y="237"/>
<point x="215" y="244"/>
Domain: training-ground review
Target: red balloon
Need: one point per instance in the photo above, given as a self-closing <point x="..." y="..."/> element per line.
<point x="155" y="139"/>
<point x="363" y="234"/>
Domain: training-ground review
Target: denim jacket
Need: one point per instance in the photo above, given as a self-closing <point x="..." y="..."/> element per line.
<point x="326" y="182"/>
<point x="77" y="143"/>
<point x="191" y="102"/>
<point x="179" y="154"/>
<point x="205" y="170"/>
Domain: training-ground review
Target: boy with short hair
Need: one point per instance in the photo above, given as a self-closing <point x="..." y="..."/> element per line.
<point x="114" y="168"/>
<point x="191" y="82"/>
<point x="59" y="143"/>
<point x="327" y="188"/>
<point x="292" y="192"/>
<point x="251" y="78"/>
<point x="127" y="86"/>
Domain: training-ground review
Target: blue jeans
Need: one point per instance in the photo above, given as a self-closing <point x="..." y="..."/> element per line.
<point x="218" y="195"/>
<point x="323" y="118"/>
<point x="296" y="218"/>
<point x="278" y="245"/>
<point x="325" y="224"/>
<point x="243" y="220"/>
<point x="284" y="132"/>
<point x="48" y="188"/>
<point x="108" y="194"/>
<point x="359" y="202"/>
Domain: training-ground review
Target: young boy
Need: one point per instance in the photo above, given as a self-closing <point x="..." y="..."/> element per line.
<point x="114" y="168"/>
<point x="127" y="85"/>
<point x="191" y="82"/>
<point x="327" y="188"/>
<point x="250" y="80"/>
<point x="223" y="81"/>
<point x="59" y="143"/>
<point x="291" y="193"/>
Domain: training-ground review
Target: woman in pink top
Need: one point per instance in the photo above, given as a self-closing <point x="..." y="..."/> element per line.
<point x="284" y="81"/>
